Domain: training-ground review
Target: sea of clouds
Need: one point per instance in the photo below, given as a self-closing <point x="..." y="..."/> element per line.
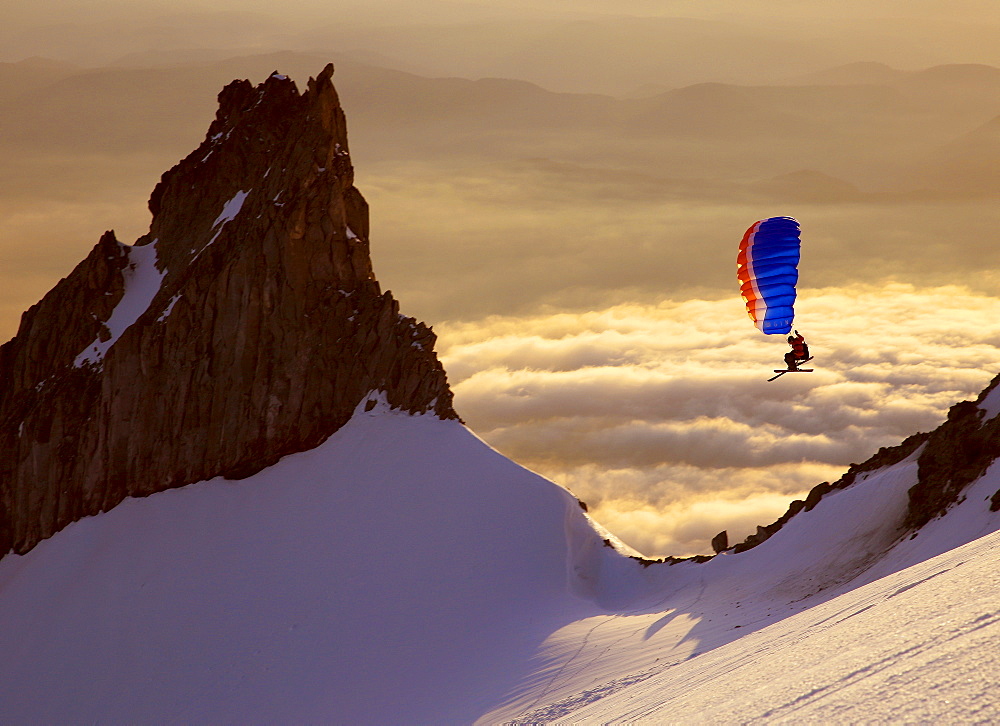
<point x="660" y="416"/>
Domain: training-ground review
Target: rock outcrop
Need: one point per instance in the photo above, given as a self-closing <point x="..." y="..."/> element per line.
<point x="245" y="326"/>
<point x="720" y="542"/>
<point x="950" y="458"/>
<point x="957" y="453"/>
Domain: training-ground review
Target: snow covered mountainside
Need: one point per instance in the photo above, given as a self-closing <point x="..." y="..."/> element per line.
<point x="835" y="618"/>
<point x="918" y="646"/>
<point x="401" y="572"/>
<point x="404" y="572"/>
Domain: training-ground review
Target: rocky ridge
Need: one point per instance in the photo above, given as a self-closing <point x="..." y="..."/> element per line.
<point x="246" y="325"/>
<point x="949" y="459"/>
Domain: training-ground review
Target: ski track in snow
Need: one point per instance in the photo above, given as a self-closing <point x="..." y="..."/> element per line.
<point x="916" y="646"/>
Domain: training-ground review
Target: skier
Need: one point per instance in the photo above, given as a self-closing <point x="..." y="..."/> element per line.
<point x="799" y="352"/>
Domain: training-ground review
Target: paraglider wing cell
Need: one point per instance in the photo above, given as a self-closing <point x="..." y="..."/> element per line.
<point x="767" y="268"/>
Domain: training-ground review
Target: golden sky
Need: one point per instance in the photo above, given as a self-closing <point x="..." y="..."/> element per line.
<point x="559" y="189"/>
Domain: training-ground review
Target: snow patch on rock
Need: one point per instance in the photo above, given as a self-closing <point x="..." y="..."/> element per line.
<point x="229" y="212"/>
<point x="991" y="404"/>
<point x="170" y="306"/>
<point x="142" y="282"/>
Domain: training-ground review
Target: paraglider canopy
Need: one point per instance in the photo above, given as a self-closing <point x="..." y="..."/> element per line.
<point x="767" y="268"/>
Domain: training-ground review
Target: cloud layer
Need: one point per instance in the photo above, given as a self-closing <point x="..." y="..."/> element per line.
<point x="660" y="416"/>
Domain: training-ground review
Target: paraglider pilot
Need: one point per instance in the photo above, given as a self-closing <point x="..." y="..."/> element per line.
<point x="798" y="353"/>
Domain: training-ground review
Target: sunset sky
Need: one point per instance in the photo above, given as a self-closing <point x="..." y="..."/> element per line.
<point x="569" y="224"/>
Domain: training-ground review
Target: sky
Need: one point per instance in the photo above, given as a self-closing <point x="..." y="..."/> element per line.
<point x="559" y="189"/>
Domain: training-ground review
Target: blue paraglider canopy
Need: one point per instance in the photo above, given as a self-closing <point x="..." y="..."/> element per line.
<point x="767" y="268"/>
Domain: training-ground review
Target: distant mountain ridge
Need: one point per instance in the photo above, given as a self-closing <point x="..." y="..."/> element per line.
<point x="246" y="325"/>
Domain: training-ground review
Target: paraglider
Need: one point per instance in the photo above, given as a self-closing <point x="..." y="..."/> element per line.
<point x="767" y="268"/>
<point x="799" y="352"/>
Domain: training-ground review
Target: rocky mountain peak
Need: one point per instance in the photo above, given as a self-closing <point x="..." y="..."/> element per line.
<point x="246" y="325"/>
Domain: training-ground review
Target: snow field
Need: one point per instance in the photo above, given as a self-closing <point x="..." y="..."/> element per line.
<point x="404" y="572"/>
<point x="918" y="646"/>
<point x="727" y="631"/>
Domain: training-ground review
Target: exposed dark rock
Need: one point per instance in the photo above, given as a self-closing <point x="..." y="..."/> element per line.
<point x="646" y="561"/>
<point x="259" y="329"/>
<point x="957" y="453"/>
<point x="720" y="542"/>
<point x="816" y="494"/>
<point x="885" y="456"/>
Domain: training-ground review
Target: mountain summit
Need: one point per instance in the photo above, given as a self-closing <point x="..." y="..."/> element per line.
<point x="245" y="326"/>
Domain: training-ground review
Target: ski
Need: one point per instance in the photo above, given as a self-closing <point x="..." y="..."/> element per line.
<point x="783" y="371"/>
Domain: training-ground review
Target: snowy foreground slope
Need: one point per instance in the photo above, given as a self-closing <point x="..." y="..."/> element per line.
<point x="773" y="633"/>
<point x="403" y="572"/>
<point x="919" y="646"/>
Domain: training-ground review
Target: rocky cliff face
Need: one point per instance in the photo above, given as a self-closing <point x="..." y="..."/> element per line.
<point x="245" y="326"/>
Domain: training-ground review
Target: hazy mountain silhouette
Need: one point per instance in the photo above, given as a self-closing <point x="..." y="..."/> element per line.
<point x="827" y="127"/>
<point x="971" y="163"/>
<point x="75" y="139"/>
<point x="850" y="74"/>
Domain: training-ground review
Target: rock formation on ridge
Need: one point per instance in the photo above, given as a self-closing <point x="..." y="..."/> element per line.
<point x="246" y="325"/>
<point x="949" y="459"/>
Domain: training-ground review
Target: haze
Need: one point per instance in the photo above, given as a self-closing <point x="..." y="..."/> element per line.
<point x="559" y="189"/>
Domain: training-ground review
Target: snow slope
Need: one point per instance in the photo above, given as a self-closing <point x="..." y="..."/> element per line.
<point x="655" y="651"/>
<point x="918" y="646"/>
<point x="404" y="572"/>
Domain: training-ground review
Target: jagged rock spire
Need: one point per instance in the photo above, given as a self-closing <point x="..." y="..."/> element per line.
<point x="245" y="326"/>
